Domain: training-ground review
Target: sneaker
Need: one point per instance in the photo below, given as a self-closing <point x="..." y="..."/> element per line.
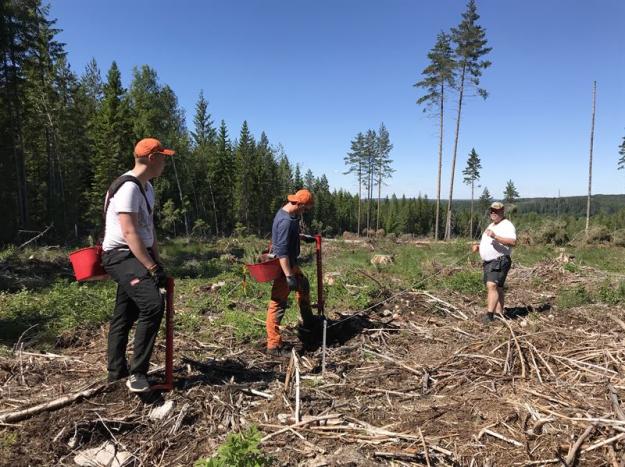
<point x="138" y="383"/>
<point x="487" y="318"/>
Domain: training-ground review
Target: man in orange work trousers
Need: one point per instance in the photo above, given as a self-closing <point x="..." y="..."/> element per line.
<point x="285" y="245"/>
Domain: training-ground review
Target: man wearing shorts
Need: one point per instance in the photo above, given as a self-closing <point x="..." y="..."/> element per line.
<point x="495" y="249"/>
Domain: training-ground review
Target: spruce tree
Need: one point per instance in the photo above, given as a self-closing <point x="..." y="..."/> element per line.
<point x="225" y="174"/>
<point x="471" y="175"/>
<point x="485" y="200"/>
<point x="469" y="40"/>
<point x="244" y="175"/>
<point x="510" y="193"/>
<point x="113" y="141"/>
<point x="439" y="75"/>
<point x="202" y="165"/>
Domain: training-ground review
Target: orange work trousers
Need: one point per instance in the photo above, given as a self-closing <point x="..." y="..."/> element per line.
<point x="278" y="304"/>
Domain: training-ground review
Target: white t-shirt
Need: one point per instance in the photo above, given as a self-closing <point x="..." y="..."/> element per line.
<point x="129" y="199"/>
<point x="490" y="248"/>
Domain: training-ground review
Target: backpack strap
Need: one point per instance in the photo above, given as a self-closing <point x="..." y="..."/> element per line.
<point x="115" y="186"/>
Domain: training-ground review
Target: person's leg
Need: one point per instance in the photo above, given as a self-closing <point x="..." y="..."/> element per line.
<point x="500" y="300"/>
<point x="124" y="315"/>
<point x="303" y="299"/>
<point x="491" y="302"/>
<point x="151" y="306"/>
<point x="275" y="312"/>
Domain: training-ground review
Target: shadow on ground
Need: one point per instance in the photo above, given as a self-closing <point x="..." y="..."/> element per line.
<point x="522" y="311"/>
<point x="222" y="372"/>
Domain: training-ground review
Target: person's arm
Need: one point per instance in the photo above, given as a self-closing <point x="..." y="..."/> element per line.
<point x="128" y="222"/>
<point x="286" y="266"/>
<point x="503" y="240"/>
<point x="280" y="246"/>
<point x="155" y="254"/>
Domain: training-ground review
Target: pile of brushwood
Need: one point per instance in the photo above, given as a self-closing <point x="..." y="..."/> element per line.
<point x="414" y="379"/>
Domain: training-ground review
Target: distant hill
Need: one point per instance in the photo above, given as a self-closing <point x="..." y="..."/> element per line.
<point x="566" y="205"/>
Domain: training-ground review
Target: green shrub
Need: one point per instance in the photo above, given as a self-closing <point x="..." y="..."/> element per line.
<point x="618" y="237"/>
<point x="598" y="234"/>
<point x="573" y="297"/>
<point x="611" y="294"/>
<point x="552" y="232"/>
<point x="239" y="450"/>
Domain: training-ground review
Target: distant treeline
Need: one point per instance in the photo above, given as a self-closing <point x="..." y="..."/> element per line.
<point x="65" y="137"/>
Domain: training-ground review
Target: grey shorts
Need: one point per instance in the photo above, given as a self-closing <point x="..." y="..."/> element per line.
<point x="497" y="270"/>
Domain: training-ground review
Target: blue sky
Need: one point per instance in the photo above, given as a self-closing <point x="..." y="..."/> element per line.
<point x="312" y="74"/>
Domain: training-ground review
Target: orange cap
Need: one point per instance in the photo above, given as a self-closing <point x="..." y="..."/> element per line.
<point x="301" y="197"/>
<point x="148" y="146"/>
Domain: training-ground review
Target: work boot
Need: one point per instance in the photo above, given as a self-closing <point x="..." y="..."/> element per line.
<point x="487" y="318"/>
<point x="278" y="352"/>
<point x="138" y="383"/>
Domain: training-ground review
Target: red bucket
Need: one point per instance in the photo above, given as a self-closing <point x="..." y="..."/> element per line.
<point x="265" y="271"/>
<point x="87" y="264"/>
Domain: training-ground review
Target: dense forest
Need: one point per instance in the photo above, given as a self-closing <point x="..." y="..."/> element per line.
<point x="65" y="136"/>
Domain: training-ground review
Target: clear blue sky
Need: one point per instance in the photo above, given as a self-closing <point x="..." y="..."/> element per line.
<point x="312" y="74"/>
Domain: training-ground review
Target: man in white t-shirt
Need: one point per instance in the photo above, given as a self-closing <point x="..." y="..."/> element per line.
<point x="131" y="258"/>
<point x="495" y="248"/>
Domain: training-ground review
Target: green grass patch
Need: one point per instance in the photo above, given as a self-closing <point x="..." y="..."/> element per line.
<point x="63" y="306"/>
<point x="466" y="282"/>
<point x="572" y="297"/>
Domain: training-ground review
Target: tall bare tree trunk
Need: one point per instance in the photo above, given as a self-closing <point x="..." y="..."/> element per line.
<point x="471" y="221"/>
<point x="377" y="218"/>
<point x="186" y="219"/>
<point x="210" y="188"/>
<point x="440" y="165"/>
<point x="592" y="137"/>
<point x="359" y="194"/>
<point x="453" y="160"/>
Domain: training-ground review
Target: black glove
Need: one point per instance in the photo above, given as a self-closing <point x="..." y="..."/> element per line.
<point x="159" y="275"/>
<point x="308" y="238"/>
<point x="291" y="281"/>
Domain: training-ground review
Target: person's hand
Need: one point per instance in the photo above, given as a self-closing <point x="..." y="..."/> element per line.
<point x="475" y="248"/>
<point x="490" y="233"/>
<point x="158" y="274"/>
<point x="291" y="281"/>
<point x="308" y="238"/>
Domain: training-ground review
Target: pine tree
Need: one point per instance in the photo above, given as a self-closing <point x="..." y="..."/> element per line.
<point x="383" y="169"/>
<point x="510" y="194"/>
<point x="470" y="46"/>
<point x="471" y="175"/>
<point x="354" y="160"/>
<point x="370" y="151"/>
<point x="439" y="75"/>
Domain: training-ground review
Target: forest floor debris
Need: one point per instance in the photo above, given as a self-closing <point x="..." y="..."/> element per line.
<point x="417" y="380"/>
